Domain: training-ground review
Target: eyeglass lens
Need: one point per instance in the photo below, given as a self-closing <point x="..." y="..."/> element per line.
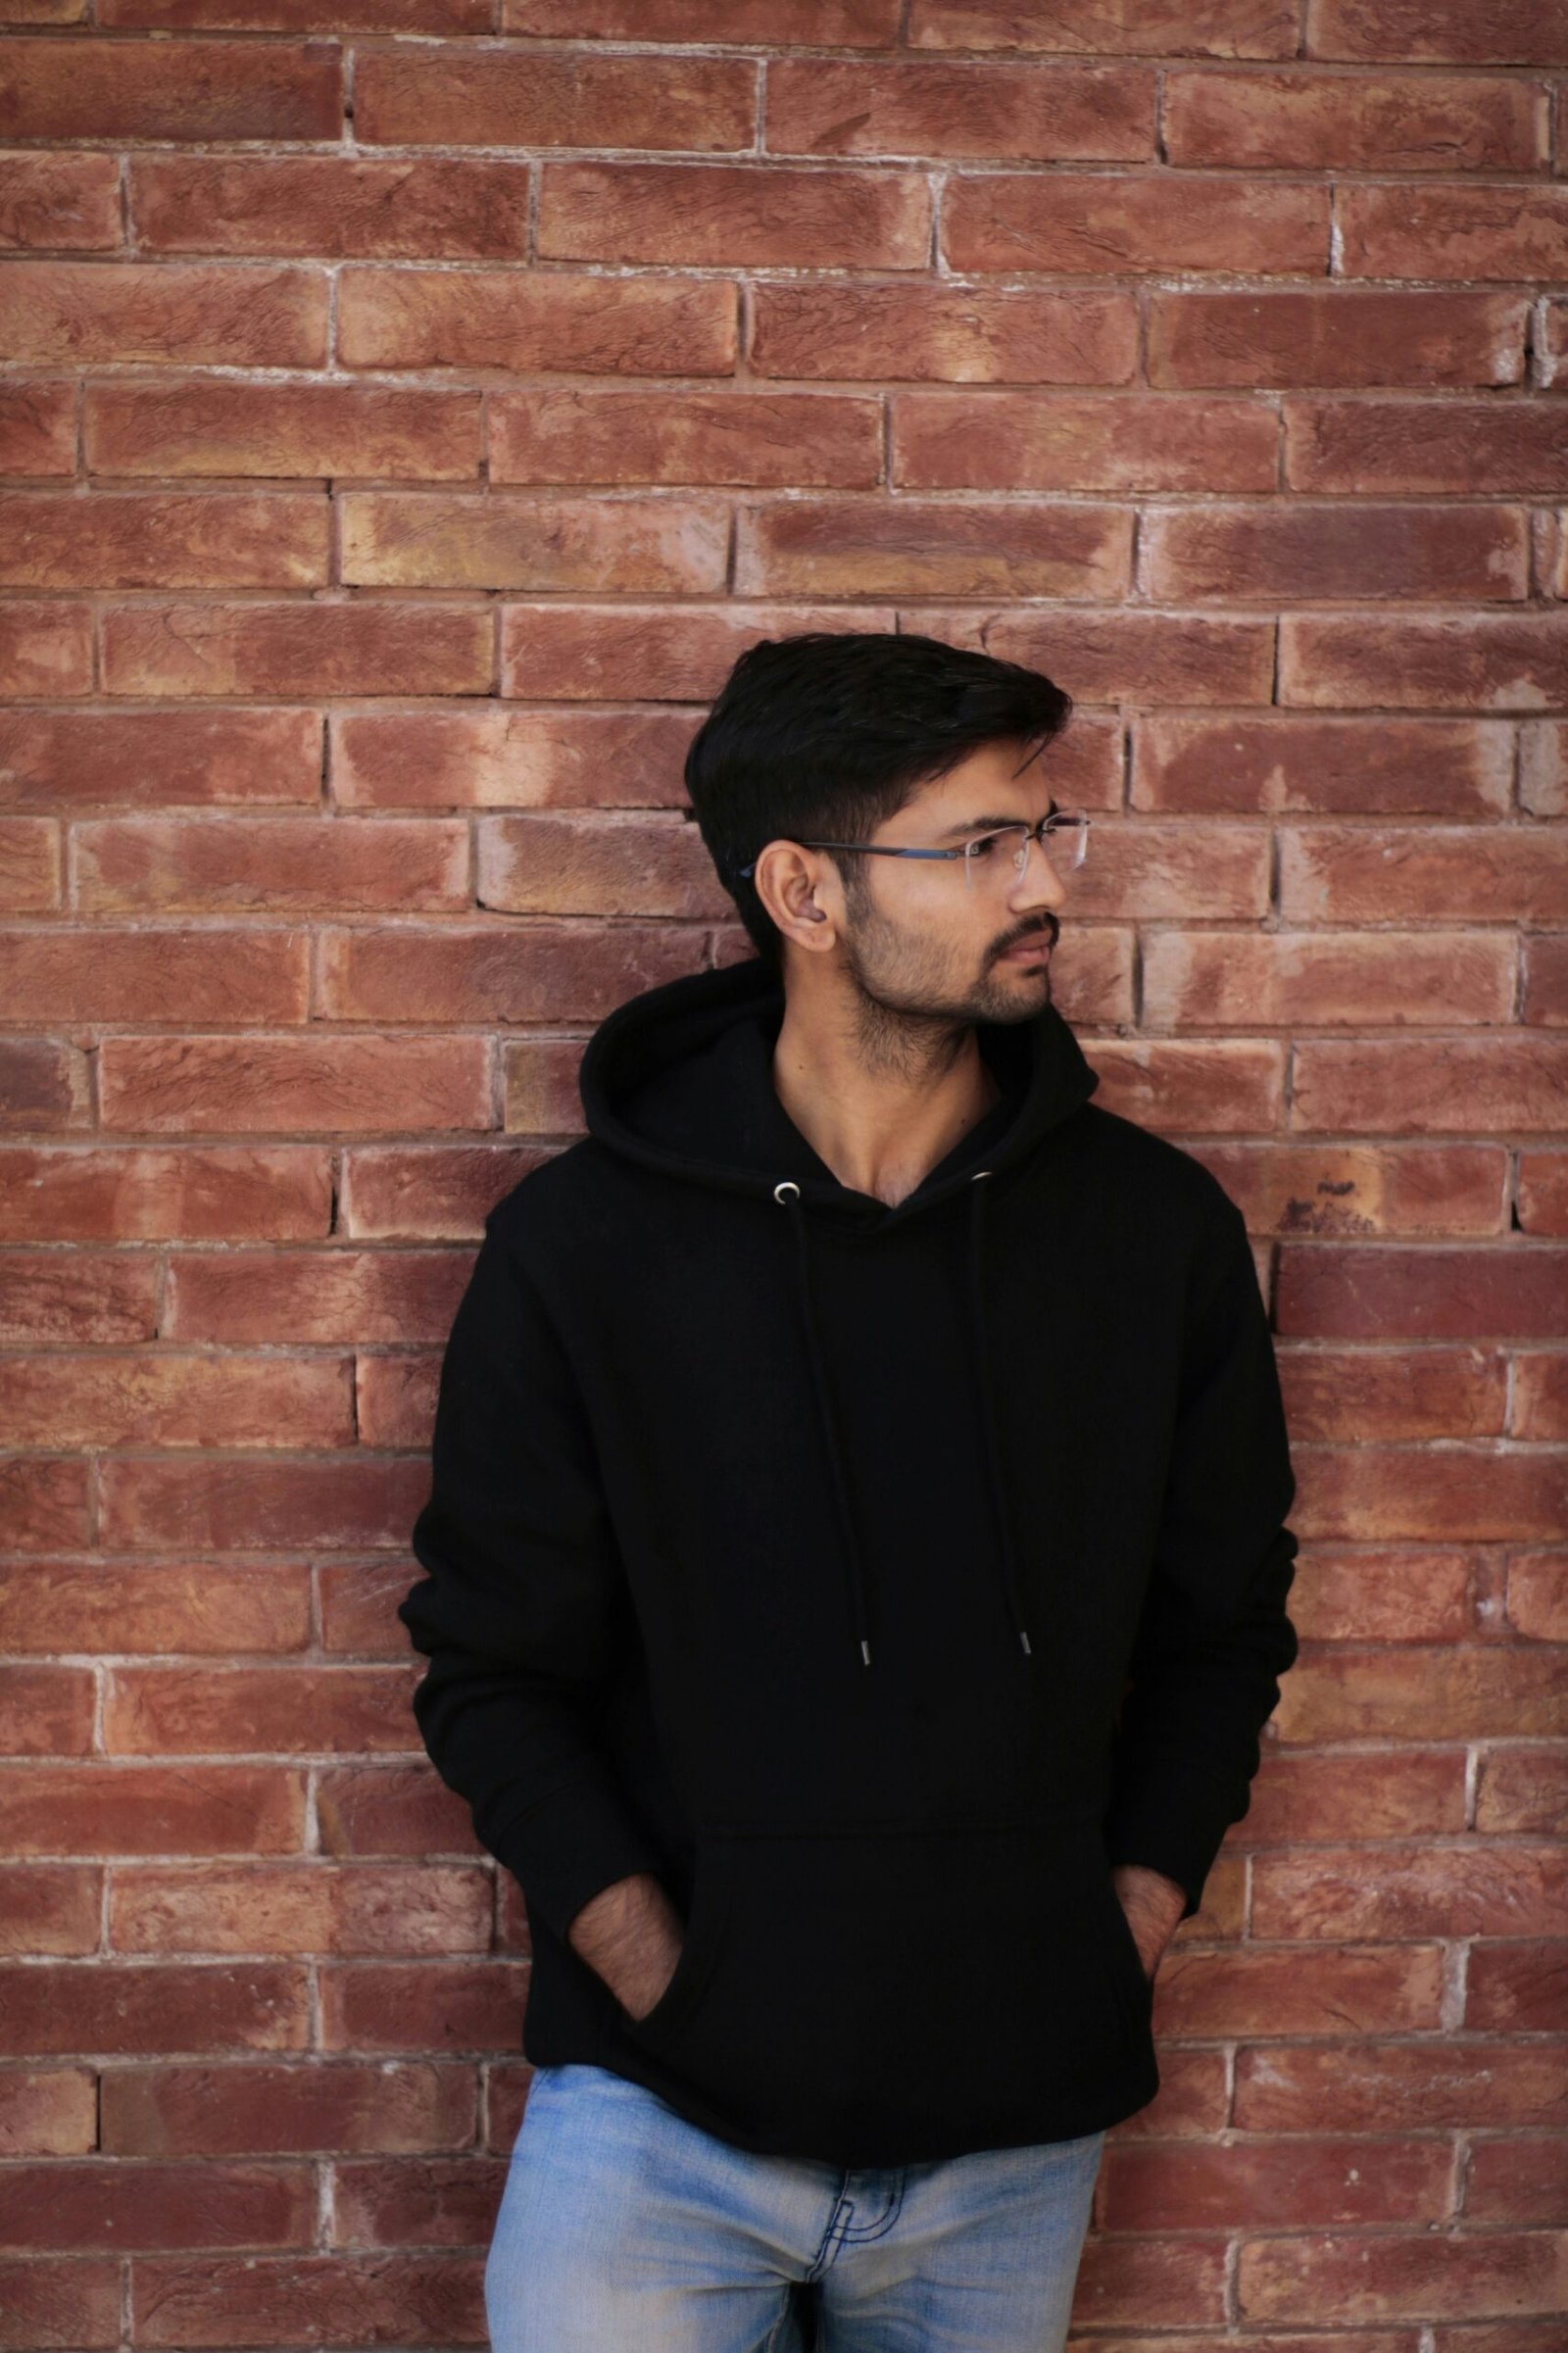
<point x="1000" y="856"/>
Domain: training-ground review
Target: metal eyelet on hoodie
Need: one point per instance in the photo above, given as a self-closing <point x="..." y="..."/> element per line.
<point x="788" y="1194"/>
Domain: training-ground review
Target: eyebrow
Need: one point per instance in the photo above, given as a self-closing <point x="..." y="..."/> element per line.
<point x="987" y="824"/>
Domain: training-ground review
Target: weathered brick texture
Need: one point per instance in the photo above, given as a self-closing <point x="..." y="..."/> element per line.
<point x="410" y="410"/>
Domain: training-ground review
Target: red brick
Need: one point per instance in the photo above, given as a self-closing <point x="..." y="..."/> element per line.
<point x="879" y="548"/>
<point x="576" y="325"/>
<point x="1465" y="555"/>
<point x="1247" y="2183"/>
<point x="147" y="539"/>
<point x="59" y="203"/>
<point x="416" y="2202"/>
<point x="332" y="204"/>
<point x="47" y="975"/>
<point x="1405" y="1692"/>
<point x="1428" y="2085"/>
<point x="301" y="16"/>
<point x="107" y="2206"/>
<point x="31" y="865"/>
<point x="139" y="2009"/>
<point x="1021" y="441"/>
<point x="785" y="439"/>
<point x="1287" y="762"/>
<point x="584" y="866"/>
<point x="509" y="98"/>
<point x="216" y="425"/>
<point x="43" y="1086"/>
<point x="179" y="1810"/>
<point x="390" y="1809"/>
<point x="269" y="866"/>
<point x="1487" y="230"/>
<point x="1144" y="657"/>
<point x="396" y="1395"/>
<point x="38" y="430"/>
<point x="234" y="1504"/>
<point x="655" y="653"/>
<point x="1516" y="2180"/>
<point x="298" y="648"/>
<point x="44" y="1500"/>
<point x="1469" y="874"/>
<point x="1154" y="28"/>
<point x="178" y="1401"/>
<point x="47" y="2112"/>
<point x="359" y="1602"/>
<point x="123" y="1606"/>
<point x="821" y="23"/>
<point x="45" y="12"/>
<point x="1537" y="1589"/>
<point x="442" y="2007"/>
<point x="243" y="2111"/>
<point x="74" y="1298"/>
<point x="1051" y="113"/>
<point x="1363" y="122"/>
<point x="491" y="756"/>
<point x="1514" y="662"/>
<point x="48" y="1908"/>
<point x="1336" y="1395"/>
<point x="643" y="547"/>
<point x="237" y="1193"/>
<point x="314" y="1296"/>
<point x="74" y="2307"/>
<point x="1111" y="222"/>
<point x="153" y="314"/>
<point x="45" y="649"/>
<point x="309" y="1907"/>
<point x="283" y="1086"/>
<point x="1458" y="2275"/>
<point x="55" y="759"/>
<point x="1341" y="335"/>
<point x="416" y="1194"/>
<point x="886" y="331"/>
<point x="91" y="89"/>
<point x="1515" y="1985"/>
<point x="1214" y="980"/>
<point x="1509" y="33"/>
<point x="1380" y="1290"/>
<point x="1493" y="1087"/>
<point x="300" y="1711"/>
<point x="742" y="214"/>
<point x="275" y="2300"/>
<point x="570" y="972"/>
<point x="47" y="1710"/>
<point x="1426" y="447"/>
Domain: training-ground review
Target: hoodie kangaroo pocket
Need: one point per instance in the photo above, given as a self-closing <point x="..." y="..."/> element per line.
<point x="857" y="1995"/>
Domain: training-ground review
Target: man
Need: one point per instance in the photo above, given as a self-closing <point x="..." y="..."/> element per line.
<point x="855" y="1566"/>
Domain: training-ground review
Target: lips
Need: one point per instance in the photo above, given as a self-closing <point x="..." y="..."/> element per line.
<point x="1031" y="950"/>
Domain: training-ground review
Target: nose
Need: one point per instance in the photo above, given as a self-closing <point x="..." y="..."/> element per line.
<point x="1037" y="883"/>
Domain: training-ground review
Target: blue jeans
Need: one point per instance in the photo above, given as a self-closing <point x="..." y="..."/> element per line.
<point x="626" y="2229"/>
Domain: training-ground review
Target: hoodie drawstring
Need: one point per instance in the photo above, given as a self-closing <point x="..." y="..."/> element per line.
<point x="788" y="1194"/>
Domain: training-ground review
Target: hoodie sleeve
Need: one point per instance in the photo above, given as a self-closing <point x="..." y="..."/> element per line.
<point x="524" y="1609"/>
<point x="1214" y="1636"/>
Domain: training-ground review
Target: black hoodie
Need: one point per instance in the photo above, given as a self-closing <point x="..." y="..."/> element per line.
<point x="878" y="1577"/>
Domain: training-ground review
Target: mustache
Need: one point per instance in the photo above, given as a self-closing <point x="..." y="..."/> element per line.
<point x="1049" y="930"/>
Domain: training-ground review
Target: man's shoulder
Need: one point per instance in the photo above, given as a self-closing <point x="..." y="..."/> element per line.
<point x="553" y="1198"/>
<point x="1157" y="1173"/>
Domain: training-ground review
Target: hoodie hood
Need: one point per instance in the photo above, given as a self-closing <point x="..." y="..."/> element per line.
<point x="680" y="1080"/>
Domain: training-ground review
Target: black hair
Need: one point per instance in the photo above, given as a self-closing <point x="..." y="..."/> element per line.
<point x="827" y="734"/>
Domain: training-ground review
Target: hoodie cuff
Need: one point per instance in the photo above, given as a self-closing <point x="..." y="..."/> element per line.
<point x="1171" y="1818"/>
<point x="569" y="1849"/>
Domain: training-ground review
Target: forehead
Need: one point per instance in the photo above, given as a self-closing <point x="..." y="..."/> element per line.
<point x="989" y="778"/>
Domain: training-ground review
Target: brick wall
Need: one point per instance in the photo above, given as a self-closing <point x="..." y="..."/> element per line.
<point x="414" y="407"/>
